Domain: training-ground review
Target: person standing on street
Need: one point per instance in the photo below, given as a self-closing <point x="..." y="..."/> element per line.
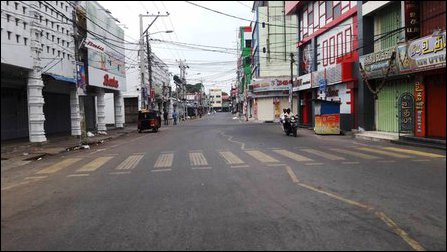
<point x="165" y="117"/>
<point x="174" y="117"/>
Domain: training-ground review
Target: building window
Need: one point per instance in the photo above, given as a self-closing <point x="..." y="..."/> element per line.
<point x="54" y="50"/>
<point x="9" y="35"/>
<point x="247" y="43"/>
<point x="17" y="21"/>
<point x="48" y="49"/>
<point x="66" y="8"/>
<point x="348" y="40"/>
<point x="52" y="24"/>
<point x="337" y="10"/>
<point x="328" y="9"/>
<point x="46" y="22"/>
<point x="8" y="17"/>
<point x="25" y="41"/>
<point x="40" y="4"/>
<point x="339" y="44"/>
<point x="24" y="25"/>
<point x="325" y="54"/>
<point x="17" y="5"/>
<point x="40" y="18"/>
<point x="24" y="9"/>
<point x="48" y="35"/>
<point x="310" y="15"/>
<point x="18" y="38"/>
<point x="68" y="44"/>
<point x="58" y="53"/>
<point x="52" y="38"/>
<point x="57" y="27"/>
<point x="62" y="29"/>
<point x="332" y="50"/>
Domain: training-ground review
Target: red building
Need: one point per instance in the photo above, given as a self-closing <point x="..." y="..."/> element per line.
<point x="327" y="35"/>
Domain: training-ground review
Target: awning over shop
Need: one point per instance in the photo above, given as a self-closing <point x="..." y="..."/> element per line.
<point x="62" y="78"/>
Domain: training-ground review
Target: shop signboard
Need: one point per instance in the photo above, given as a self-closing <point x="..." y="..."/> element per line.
<point x="303" y="82"/>
<point x="411" y="19"/>
<point x="406" y="112"/>
<point x="419" y="96"/>
<point x="422" y="54"/>
<point x="272" y="84"/>
<point x="327" y="124"/>
<point x="376" y="64"/>
<point x="106" y="55"/>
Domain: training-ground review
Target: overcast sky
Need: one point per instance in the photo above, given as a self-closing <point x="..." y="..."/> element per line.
<point x="192" y="25"/>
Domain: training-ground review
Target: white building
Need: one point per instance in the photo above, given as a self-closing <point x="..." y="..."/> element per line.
<point x="274" y="39"/>
<point x="38" y="70"/>
<point x="215" y="98"/>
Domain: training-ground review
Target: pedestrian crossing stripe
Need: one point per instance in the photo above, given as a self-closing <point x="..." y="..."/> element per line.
<point x="414" y="152"/>
<point x="354" y="153"/>
<point x="130" y="162"/>
<point x="292" y="155"/>
<point x="230" y="158"/>
<point x="164" y="160"/>
<point x="264" y="158"/>
<point x="385" y="153"/>
<point x="323" y="154"/>
<point x="59" y="166"/>
<point x="95" y="164"/>
<point x="197" y="159"/>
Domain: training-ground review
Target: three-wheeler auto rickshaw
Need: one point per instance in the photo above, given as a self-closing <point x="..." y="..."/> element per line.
<point x="149" y="119"/>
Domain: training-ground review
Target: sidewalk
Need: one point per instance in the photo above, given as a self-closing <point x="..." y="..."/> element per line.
<point x="20" y="152"/>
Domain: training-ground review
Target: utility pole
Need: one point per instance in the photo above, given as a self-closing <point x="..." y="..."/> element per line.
<point x="141" y="53"/>
<point x="291" y="82"/>
<point x="149" y="62"/>
<point x="80" y="90"/>
<point x="183" y="67"/>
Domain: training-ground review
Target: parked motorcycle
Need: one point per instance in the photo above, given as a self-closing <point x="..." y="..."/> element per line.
<point x="290" y="125"/>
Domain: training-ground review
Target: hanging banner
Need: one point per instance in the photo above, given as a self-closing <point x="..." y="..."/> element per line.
<point x="419" y="96"/>
<point x="81" y="84"/>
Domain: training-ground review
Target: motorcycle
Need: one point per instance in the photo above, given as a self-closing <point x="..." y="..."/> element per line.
<point x="290" y="125"/>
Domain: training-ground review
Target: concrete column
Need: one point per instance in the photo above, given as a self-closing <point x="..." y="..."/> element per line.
<point x="36" y="118"/>
<point x="75" y="114"/>
<point x="101" y="110"/>
<point x="119" y="109"/>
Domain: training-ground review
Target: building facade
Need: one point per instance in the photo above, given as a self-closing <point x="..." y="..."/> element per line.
<point x="244" y="68"/>
<point x="273" y="42"/>
<point x="38" y="70"/>
<point x="215" y="98"/>
<point x="403" y="67"/>
<point x="327" y="57"/>
<point x="51" y="85"/>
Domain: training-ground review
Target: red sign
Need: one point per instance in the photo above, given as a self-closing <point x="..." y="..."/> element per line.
<point x="152" y="93"/>
<point x="110" y="82"/>
<point x="419" y="96"/>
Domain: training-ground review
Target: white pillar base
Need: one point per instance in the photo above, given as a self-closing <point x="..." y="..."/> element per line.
<point x="119" y="110"/>
<point x="101" y="110"/>
<point x="75" y="114"/>
<point x="36" y="118"/>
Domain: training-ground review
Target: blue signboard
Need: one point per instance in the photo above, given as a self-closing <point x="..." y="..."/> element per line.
<point x="322" y="83"/>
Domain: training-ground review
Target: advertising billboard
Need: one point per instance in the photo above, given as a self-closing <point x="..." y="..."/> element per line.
<point x="105" y="44"/>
